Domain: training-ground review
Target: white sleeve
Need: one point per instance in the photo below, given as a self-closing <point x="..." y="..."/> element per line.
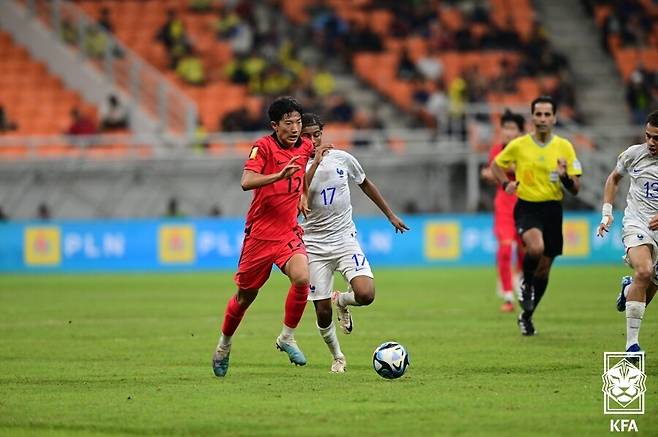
<point x="624" y="161"/>
<point x="354" y="169"/>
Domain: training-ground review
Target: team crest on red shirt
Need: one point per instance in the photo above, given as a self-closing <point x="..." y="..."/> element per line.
<point x="254" y="152"/>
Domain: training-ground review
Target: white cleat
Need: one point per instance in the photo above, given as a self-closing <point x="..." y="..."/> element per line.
<point x="343" y="313"/>
<point x="339" y="365"/>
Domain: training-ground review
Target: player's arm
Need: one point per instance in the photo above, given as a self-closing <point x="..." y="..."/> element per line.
<point x="251" y="179"/>
<point x="501" y="178"/>
<point x="319" y="154"/>
<point x="609" y="194"/>
<point x="570" y="183"/>
<point x="373" y="193"/>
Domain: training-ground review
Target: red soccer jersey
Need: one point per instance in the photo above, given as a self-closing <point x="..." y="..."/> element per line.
<point x="273" y="210"/>
<point x="503" y="202"/>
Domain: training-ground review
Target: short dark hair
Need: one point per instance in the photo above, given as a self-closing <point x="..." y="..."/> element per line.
<point x="543" y="99"/>
<point x="311" y="119"/>
<point x="652" y="118"/>
<point x="282" y="106"/>
<point x="509" y="116"/>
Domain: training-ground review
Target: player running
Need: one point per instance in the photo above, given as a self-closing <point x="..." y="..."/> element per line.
<point x="640" y="223"/>
<point x="330" y="237"/>
<point x="512" y="126"/>
<point x="275" y="170"/>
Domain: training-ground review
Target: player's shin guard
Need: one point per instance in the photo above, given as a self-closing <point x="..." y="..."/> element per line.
<point x="504" y="264"/>
<point x="232" y="316"/>
<point x="295" y="304"/>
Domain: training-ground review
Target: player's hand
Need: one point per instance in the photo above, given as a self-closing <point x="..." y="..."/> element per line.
<point x="606" y="222"/>
<point x="290" y="168"/>
<point x="321" y="151"/>
<point x="653" y="223"/>
<point x="398" y="224"/>
<point x="561" y="167"/>
<point x="512" y="186"/>
<point x="302" y="206"/>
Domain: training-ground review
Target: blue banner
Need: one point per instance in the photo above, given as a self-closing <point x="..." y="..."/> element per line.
<point x="209" y="244"/>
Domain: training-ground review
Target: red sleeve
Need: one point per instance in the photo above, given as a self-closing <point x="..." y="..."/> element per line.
<point x="495" y="150"/>
<point x="258" y="156"/>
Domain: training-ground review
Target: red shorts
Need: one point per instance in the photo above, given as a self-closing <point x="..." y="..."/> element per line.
<point x="257" y="257"/>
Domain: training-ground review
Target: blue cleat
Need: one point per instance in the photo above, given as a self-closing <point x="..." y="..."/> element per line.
<point x="220" y="361"/>
<point x="290" y="347"/>
<point x="621" y="299"/>
<point x="635" y="349"/>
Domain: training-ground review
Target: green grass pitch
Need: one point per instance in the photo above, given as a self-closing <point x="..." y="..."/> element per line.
<point x="130" y="354"/>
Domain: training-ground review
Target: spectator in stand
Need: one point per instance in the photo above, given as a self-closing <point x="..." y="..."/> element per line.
<point x="322" y="82"/>
<point x="200" y="6"/>
<point x="6" y="124"/>
<point x="172" y="34"/>
<point x="104" y="20"/>
<point x="172" y="209"/>
<point x="43" y="211"/>
<point x="190" y="68"/>
<point x="340" y="110"/>
<point x="638" y="97"/>
<point x="114" y="115"/>
<point x="81" y="124"/>
<point x="406" y="66"/>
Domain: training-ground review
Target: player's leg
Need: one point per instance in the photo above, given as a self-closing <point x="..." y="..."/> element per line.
<point x="540" y="281"/>
<point x="321" y="271"/>
<point x="504" y="268"/>
<point x="253" y="270"/>
<point x="354" y="267"/>
<point x="533" y="242"/>
<point x="641" y="259"/>
<point x="293" y="262"/>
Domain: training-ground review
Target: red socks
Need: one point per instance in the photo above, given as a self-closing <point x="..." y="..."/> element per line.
<point x="504" y="264"/>
<point x="232" y="316"/>
<point x="295" y="304"/>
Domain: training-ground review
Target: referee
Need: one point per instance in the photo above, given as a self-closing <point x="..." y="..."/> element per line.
<point x="543" y="163"/>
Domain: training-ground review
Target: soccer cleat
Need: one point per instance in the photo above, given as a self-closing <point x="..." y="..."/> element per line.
<point x="507" y="307"/>
<point x="343" y="314"/>
<point x="290" y="347"/>
<point x="339" y="365"/>
<point x="526" y="326"/>
<point x="633" y="359"/>
<point x="621" y="299"/>
<point x="220" y="361"/>
<point x="527" y="300"/>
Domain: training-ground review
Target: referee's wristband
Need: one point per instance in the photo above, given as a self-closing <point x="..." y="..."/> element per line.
<point x="566" y="181"/>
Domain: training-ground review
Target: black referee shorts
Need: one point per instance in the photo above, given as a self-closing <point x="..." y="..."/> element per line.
<point x="545" y="216"/>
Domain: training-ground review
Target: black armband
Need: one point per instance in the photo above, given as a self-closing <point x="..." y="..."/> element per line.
<point x="567" y="181"/>
<point x="504" y="185"/>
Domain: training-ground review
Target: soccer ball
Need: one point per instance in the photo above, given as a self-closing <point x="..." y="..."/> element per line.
<point x="390" y="360"/>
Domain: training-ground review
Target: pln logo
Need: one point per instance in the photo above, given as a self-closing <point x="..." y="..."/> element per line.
<point x="442" y="241"/>
<point x="41" y="246"/>
<point x="624" y="383"/>
<point x="176" y="244"/>
<point x="576" y="237"/>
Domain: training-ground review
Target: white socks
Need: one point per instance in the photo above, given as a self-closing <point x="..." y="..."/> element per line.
<point x="225" y="341"/>
<point x="345" y="299"/>
<point x="329" y="336"/>
<point x="287" y="332"/>
<point x="634" y="314"/>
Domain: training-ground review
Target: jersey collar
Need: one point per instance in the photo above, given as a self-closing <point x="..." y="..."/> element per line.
<point x="534" y="140"/>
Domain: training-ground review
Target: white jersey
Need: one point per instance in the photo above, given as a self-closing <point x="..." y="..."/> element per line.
<point x="642" y="168"/>
<point x="330" y="219"/>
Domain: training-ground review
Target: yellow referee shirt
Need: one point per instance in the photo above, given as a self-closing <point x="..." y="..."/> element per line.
<point x="536" y="166"/>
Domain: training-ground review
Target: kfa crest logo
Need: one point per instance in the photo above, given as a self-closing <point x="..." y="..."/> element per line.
<point x="624" y="383"/>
